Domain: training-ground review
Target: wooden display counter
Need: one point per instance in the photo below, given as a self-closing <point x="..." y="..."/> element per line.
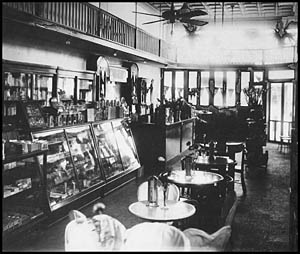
<point x="169" y="141"/>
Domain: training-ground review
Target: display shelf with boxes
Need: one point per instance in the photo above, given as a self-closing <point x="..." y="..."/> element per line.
<point x="60" y="176"/>
<point x="84" y="156"/>
<point x="126" y="145"/>
<point x="23" y="192"/>
<point x="108" y="150"/>
<point x="27" y="81"/>
<point x="82" y="159"/>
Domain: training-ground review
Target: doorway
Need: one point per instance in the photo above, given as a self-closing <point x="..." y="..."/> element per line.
<point x="281" y="110"/>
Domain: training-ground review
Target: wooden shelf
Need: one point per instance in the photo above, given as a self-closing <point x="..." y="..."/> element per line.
<point x="16" y="192"/>
<point x="12" y="158"/>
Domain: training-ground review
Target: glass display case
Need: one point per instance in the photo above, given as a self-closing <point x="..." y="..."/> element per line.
<point x="60" y="176"/>
<point x="83" y="152"/>
<point x="126" y="145"/>
<point x="109" y="154"/>
<point x="23" y="195"/>
<point x="84" y="158"/>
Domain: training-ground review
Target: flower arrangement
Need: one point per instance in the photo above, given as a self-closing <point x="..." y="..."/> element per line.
<point x="173" y="104"/>
<point x="254" y="95"/>
<point x="194" y="91"/>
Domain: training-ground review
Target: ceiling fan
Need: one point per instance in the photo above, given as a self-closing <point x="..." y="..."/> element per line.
<point x="183" y="15"/>
<point x="282" y="30"/>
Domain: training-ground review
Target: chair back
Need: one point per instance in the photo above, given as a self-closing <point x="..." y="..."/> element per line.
<point x="102" y="232"/>
<point x="155" y="236"/>
<point x="172" y="194"/>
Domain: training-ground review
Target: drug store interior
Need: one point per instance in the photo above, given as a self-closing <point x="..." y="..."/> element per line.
<point x="102" y="98"/>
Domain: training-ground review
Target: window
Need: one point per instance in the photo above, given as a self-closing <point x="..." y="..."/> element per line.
<point x="204" y="91"/>
<point x="230" y="88"/>
<point x="281" y="74"/>
<point x="179" y="81"/>
<point x="168" y="85"/>
<point x="192" y="85"/>
<point x="275" y="111"/>
<point x="245" y="79"/>
<point x="65" y="87"/>
<point x="258" y="76"/>
<point x="288" y="108"/>
<point x="218" y="98"/>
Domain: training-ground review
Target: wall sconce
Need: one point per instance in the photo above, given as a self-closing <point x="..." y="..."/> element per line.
<point x="115" y="53"/>
<point x="68" y="41"/>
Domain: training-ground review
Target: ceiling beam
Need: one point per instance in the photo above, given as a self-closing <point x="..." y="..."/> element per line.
<point x="242" y="7"/>
<point x="258" y="4"/>
<point x="228" y="9"/>
<point x="168" y="4"/>
<point x="295" y="9"/>
<point x="207" y="8"/>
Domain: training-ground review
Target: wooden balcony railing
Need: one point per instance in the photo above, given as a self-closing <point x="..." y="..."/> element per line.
<point x="93" y="21"/>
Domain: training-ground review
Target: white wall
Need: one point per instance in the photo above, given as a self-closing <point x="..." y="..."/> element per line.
<point x="151" y="72"/>
<point x="23" y="49"/>
<point x="237" y="43"/>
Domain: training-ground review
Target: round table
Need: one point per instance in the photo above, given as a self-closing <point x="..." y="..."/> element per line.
<point x="197" y="178"/>
<point x="218" y="161"/>
<point x="176" y="211"/>
<point x="222" y="165"/>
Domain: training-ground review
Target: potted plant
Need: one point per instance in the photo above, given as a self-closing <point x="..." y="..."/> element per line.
<point x="254" y="97"/>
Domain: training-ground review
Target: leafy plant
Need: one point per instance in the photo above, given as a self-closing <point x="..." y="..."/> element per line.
<point x="254" y="95"/>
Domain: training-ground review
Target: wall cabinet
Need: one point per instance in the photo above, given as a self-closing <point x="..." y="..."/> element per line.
<point x="81" y="164"/>
<point x="84" y="161"/>
<point x="24" y="81"/>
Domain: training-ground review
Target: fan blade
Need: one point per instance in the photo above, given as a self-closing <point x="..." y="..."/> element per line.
<point x="153" y="21"/>
<point x="147" y="14"/>
<point x="190" y="14"/>
<point x="194" y="22"/>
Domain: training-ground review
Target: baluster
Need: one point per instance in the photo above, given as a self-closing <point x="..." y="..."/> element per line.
<point x="85" y="10"/>
<point x="56" y="12"/>
<point x="68" y="23"/>
<point x="76" y="20"/>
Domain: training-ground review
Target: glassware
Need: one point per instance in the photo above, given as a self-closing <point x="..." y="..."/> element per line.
<point x="165" y="192"/>
<point x="188" y="165"/>
<point x="152" y="191"/>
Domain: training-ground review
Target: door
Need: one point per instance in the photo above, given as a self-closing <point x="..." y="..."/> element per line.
<point x="281" y="110"/>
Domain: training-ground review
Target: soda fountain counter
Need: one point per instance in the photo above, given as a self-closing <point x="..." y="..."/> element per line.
<point x="167" y="140"/>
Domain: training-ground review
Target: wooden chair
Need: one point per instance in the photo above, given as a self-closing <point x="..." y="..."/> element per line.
<point x="220" y="238"/>
<point x="234" y="152"/>
<point x="241" y="152"/>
